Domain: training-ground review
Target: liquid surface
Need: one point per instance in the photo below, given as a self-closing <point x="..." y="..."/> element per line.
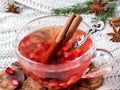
<point x="35" y="45"/>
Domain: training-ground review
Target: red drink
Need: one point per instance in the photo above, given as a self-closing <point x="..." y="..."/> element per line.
<point x="68" y="65"/>
<point x="35" y="45"/>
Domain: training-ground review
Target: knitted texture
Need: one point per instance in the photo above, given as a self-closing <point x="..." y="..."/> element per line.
<point x="10" y="23"/>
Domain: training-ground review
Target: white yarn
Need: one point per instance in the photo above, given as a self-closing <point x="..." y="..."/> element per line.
<point x="10" y="23"/>
<point x="47" y="5"/>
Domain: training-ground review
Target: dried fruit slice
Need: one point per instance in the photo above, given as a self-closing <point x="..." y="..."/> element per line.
<point x="76" y="87"/>
<point x="30" y="84"/>
<point x="7" y="82"/>
<point x="91" y="83"/>
<point x="19" y="75"/>
<point x="16" y="65"/>
<point x="83" y="88"/>
<point x="80" y="88"/>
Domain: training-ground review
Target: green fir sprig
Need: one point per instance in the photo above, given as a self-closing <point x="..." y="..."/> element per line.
<point x="83" y="8"/>
<point x="77" y="9"/>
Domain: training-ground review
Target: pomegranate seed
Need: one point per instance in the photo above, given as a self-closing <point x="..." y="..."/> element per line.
<point x="53" y="83"/>
<point x="62" y="84"/>
<point x="73" y="79"/>
<point x="15" y="81"/>
<point x="9" y="71"/>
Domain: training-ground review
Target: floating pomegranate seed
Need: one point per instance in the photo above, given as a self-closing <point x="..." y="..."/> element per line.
<point x="9" y="71"/>
<point x="72" y="79"/>
<point x="53" y="83"/>
<point x="62" y="84"/>
<point x="14" y="81"/>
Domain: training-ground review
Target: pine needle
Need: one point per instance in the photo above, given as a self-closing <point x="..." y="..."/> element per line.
<point x="77" y="9"/>
<point x="83" y="8"/>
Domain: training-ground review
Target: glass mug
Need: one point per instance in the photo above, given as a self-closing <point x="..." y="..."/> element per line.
<point x="62" y="75"/>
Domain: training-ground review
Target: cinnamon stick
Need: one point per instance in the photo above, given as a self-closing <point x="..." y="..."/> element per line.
<point x="65" y="34"/>
<point x="116" y="19"/>
<point x="73" y="27"/>
<point x="64" y="30"/>
<point x="117" y="24"/>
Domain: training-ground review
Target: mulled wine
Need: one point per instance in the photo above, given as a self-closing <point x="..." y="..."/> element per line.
<point x="68" y="65"/>
<point x="35" y="45"/>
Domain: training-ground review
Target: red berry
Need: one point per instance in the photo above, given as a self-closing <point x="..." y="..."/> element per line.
<point x="14" y="81"/>
<point x="9" y="71"/>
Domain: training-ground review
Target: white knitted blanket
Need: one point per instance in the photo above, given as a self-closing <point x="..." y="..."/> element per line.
<point x="10" y="23"/>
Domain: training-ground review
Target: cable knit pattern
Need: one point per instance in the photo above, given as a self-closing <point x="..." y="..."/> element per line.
<point x="10" y="23"/>
<point x="46" y="7"/>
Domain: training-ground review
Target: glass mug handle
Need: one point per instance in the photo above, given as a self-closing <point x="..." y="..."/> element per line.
<point x="103" y="60"/>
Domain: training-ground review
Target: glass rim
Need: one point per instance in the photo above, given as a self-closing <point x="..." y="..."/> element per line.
<point x="91" y="48"/>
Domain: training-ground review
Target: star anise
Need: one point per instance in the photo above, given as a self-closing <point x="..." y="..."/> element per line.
<point x="12" y="8"/>
<point x="97" y="6"/>
<point x="115" y="35"/>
